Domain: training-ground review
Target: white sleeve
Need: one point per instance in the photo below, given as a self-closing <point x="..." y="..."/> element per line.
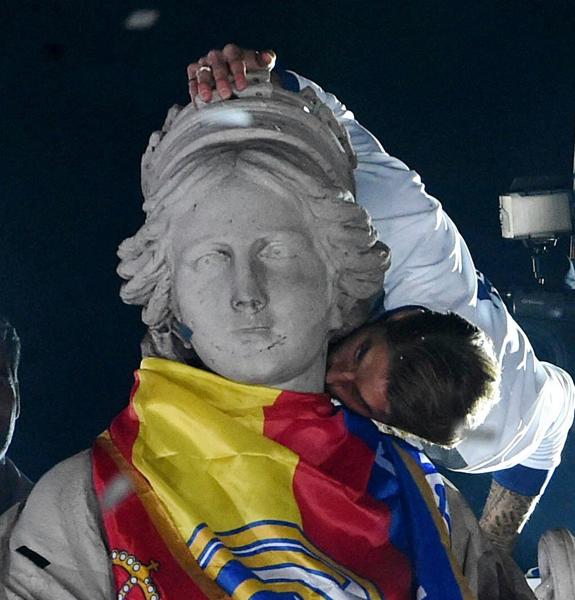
<point x="431" y="266"/>
<point x="425" y="245"/>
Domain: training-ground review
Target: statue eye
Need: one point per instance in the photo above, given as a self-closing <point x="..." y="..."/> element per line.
<point x="277" y="251"/>
<point x="212" y="260"/>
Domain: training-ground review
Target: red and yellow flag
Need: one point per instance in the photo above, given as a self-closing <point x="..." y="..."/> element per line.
<point x="253" y="492"/>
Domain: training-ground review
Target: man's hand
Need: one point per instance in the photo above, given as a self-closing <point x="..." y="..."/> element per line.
<point x="221" y="69"/>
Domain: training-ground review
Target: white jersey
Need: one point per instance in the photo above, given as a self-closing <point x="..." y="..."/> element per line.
<point x="431" y="266"/>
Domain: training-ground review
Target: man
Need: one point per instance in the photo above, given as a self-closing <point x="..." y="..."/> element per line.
<point x="14" y="486"/>
<point x="431" y="374"/>
<point x="246" y="481"/>
<point x="523" y="435"/>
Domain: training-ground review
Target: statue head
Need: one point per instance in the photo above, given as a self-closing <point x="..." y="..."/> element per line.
<point x="9" y="397"/>
<point x="252" y="241"/>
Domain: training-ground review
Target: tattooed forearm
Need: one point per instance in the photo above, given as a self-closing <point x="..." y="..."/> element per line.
<point x="504" y="514"/>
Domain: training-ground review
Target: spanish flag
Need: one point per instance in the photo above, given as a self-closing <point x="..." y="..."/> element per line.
<point x="246" y="491"/>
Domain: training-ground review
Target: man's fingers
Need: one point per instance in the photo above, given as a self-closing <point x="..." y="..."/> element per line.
<point x="256" y="60"/>
<point x="238" y="69"/>
<point x="235" y="57"/>
<point x="205" y="80"/>
<point x="219" y="66"/>
<point x="267" y="59"/>
<point x="191" y="70"/>
<point x="200" y="79"/>
<point x="251" y="60"/>
<point x="192" y="81"/>
<point x="232" y="53"/>
<point x="220" y="73"/>
<point x="192" y="88"/>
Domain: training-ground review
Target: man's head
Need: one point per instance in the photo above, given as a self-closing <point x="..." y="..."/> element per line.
<point x="431" y="374"/>
<point x="9" y="399"/>
<point x="258" y="250"/>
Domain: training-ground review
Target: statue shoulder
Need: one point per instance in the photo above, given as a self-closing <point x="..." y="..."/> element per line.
<point x="59" y="524"/>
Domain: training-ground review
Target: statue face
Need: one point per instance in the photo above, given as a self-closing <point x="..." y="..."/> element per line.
<point x="8" y="402"/>
<point x="250" y="283"/>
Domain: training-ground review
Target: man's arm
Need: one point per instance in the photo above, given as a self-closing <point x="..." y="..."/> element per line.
<point x="431" y="266"/>
<point x="442" y="256"/>
<point x="504" y="515"/>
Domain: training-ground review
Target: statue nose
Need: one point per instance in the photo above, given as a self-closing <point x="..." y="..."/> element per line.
<point x="248" y="305"/>
<point x="248" y="295"/>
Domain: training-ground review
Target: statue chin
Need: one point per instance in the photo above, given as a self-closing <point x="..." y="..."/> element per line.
<point x="261" y="362"/>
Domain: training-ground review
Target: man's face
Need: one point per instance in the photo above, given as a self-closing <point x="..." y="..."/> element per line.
<point x="8" y="401"/>
<point x="249" y="281"/>
<point x="357" y="372"/>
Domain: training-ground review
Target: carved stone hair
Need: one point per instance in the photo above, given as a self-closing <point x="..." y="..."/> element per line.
<point x="344" y="233"/>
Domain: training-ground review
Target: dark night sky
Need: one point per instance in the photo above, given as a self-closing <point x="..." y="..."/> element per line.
<point x="470" y="94"/>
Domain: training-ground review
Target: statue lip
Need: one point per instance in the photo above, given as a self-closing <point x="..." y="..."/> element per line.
<point x="254" y="329"/>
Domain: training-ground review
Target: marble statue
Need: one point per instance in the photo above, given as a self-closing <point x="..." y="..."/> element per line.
<point x="252" y="216"/>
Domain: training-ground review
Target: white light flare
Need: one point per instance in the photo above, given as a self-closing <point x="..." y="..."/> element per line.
<point x="119" y="488"/>
<point x="230" y="117"/>
<point x="142" y="19"/>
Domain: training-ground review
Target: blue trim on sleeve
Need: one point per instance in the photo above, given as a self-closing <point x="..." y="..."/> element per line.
<point x="288" y="80"/>
<point x="523" y="480"/>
